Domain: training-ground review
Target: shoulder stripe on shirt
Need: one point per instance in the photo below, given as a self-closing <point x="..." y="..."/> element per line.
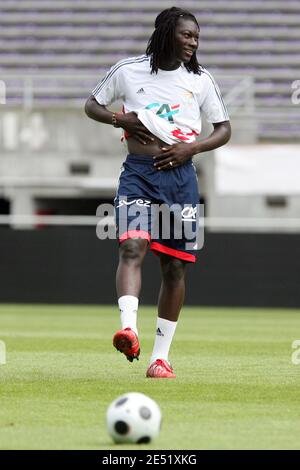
<point x="226" y="115"/>
<point x="115" y="68"/>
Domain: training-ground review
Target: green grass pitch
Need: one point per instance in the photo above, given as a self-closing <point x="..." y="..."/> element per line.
<point x="236" y="385"/>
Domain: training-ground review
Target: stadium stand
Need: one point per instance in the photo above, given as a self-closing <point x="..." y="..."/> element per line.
<point x="260" y="39"/>
<point x="52" y="54"/>
<point x="57" y="164"/>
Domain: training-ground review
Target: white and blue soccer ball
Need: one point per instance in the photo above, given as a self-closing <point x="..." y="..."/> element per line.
<point x="133" y="418"/>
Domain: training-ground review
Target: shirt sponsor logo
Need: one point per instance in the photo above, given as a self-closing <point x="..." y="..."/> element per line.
<point x="165" y="110"/>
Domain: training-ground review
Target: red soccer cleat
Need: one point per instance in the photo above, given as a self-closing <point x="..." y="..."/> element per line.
<point x="160" y="369"/>
<point x="126" y="341"/>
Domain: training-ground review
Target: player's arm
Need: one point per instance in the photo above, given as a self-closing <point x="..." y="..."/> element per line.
<point x="180" y="153"/>
<point x="129" y="121"/>
<point x="220" y="136"/>
<point x="213" y="107"/>
<point x="97" y="111"/>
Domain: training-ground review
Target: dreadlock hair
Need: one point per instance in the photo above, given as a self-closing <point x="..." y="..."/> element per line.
<point x="161" y="45"/>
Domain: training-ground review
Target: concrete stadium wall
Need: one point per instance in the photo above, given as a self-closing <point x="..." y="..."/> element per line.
<point x="59" y="265"/>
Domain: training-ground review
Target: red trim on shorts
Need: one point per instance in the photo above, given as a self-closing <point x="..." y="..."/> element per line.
<point x="135" y="234"/>
<point x="170" y="251"/>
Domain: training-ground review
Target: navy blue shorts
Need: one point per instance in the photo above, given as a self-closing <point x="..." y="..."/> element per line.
<point x="161" y="206"/>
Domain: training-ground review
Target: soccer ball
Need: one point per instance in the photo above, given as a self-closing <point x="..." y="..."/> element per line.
<point x="133" y="418"/>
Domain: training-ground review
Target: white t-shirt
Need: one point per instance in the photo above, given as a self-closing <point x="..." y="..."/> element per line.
<point x="170" y="103"/>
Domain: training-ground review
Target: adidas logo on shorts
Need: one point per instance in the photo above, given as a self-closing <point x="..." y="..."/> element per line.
<point x="140" y="91"/>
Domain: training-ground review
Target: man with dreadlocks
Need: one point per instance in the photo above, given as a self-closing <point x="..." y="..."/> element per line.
<point x="164" y="93"/>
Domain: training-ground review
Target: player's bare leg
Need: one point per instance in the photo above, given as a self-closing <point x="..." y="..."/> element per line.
<point x="131" y="256"/>
<point x="170" y="301"/>
<point x="172" y="289"/>
<point x="128" y="283"/>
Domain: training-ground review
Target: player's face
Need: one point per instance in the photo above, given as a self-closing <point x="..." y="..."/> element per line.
<point x="187" y="39"/>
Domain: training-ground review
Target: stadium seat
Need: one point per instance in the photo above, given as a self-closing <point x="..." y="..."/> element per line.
<point x="258" y="39"/>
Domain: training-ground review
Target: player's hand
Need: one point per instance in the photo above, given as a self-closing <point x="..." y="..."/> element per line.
<point x="131" y="124"/>
<point x="173" y="156"/>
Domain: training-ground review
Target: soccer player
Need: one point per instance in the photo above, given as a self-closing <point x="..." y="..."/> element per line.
<point x="164" y="93"/>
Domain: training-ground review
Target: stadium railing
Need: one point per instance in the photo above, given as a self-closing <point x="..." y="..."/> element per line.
<point x="222" y="224"/>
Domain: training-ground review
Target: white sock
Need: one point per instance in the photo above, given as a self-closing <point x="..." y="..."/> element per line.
<point x="165" y="330"/>
<point x="128" y="305"/>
